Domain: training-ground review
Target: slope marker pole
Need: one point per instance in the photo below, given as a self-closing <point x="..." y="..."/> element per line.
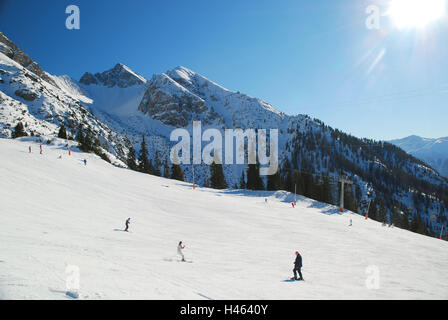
<point x="193" y="177"/>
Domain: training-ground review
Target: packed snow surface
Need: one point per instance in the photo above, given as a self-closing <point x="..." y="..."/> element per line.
<point x="57" y="212"/>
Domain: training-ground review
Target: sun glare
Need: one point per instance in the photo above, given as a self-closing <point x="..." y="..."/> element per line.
<point x="416" y="13"/>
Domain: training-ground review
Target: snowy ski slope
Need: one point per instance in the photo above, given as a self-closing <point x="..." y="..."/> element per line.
<point x="58" y="212"/>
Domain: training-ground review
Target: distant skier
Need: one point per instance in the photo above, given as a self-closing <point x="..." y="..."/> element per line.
<point x="292" y="203"/>
<point x="85" y="162"/>
<point x="298" y="266"/>
<point x="179" y="250"/>
<point x="265" y="200"/>
<point x="29" y="148"/>
<point x="350" y="223"/>
<point x="41" y="149"/>
<point x="128" y="221"/>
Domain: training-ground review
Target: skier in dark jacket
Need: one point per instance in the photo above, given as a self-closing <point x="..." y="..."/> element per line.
<point x="298" y="266"/>
<point x="128" y="221"/>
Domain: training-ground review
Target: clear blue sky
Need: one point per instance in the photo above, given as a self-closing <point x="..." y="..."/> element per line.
<point x="311" y="57"/>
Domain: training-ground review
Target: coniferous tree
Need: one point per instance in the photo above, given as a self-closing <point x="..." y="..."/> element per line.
<point x="326" y="190"/>
<point x="405" y="220"/>
<point x="96" y="143"/>
<point x="242" y="180"/>
<point x="85" y="141"/>
<point x="145" y="164"/>
<point x="308" y="184"/>
<point x="106" y="145"/>
<point x="254" y="181"/>
<point x="62" y="132"/>
<point x="430" y="230"/>
<point x="177" y="173"/>
<point x="156" y="168"/>
<point x="382" y="212"/>
<point x="88" y="140"/>
<point x="413" y="223"/>
<point x="132" y="161"/>
<point x="288" y="183"/>
<point x="217" y="179"/>
<point x="176" y="170"/>
<point x="417" y="224"/>
<point x="298" y="183"/>
<point x="80" y="136"/>
<point x="19" y="131"/>
<point x="274" y="182"/>
<point x="166" y="169"/>
<point x="152" y="169"/>
<point x="395" y="218"/>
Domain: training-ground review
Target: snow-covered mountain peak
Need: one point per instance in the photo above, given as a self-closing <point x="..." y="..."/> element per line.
<point x="181" y="72"/>
<point x="193" y="81"/>
<point x="175" y="102"/>
<point x="120" y="75"/>
<point x="235" y="107"/>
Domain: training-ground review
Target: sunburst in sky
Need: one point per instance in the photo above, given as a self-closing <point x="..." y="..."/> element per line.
<point x="416" y="13"/>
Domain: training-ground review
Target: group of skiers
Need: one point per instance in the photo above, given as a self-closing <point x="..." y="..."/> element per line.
<point x="60" y="157"/>
<point x="180" y="247"/>
<point x="41" y="150"/>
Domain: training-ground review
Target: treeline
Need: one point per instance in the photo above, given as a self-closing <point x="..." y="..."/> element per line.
<point x="390" y="170"/>
<point x="87" y="141"/>
<point x="144" y="164"/>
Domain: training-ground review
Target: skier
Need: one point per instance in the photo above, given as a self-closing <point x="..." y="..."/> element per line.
<point x="292" y="203"/>
<point x="40" y="149"/>
<point x="29" y="148"/>
<point x="128" y="221"/>
<point x="350" y="222"/>
<point x="85" y="162"/>
<point x="298" y="266"/>
<point x="179" y="250"/>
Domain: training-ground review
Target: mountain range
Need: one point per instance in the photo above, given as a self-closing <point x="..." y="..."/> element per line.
<point x="432" y="151"/>
<point x="119" y="107"/>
